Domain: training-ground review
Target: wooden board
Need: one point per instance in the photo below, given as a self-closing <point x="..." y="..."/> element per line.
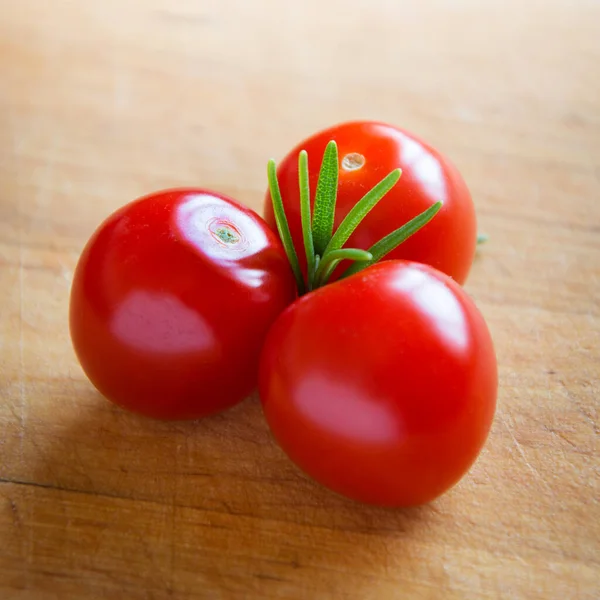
<point x="101" y="102"/>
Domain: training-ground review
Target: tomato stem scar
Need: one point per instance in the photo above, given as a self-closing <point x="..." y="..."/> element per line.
<point x="227" y="235"/>
<point x="353" y="161"/>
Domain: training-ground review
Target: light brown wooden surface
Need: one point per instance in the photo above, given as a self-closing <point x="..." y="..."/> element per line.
<point x="101" y="102"/>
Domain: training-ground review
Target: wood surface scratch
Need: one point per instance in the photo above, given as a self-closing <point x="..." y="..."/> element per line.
<point x="536" y="475"/>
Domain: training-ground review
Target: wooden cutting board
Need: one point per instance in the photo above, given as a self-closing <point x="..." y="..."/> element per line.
<point x="101" y="102"/>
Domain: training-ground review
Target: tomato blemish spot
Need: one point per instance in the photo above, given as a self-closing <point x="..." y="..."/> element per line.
<point x="353" y="161"/>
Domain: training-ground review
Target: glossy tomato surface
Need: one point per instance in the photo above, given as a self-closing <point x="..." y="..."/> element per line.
<point x="381" y="386"/>
<point x="171" y="300"/>
<point x="368" y="151"/>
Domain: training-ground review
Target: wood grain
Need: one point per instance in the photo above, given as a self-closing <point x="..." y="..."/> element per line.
<point x="101" y="102"/>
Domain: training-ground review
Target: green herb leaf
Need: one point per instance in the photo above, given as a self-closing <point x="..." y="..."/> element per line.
<point x="393" y="240"/>
<point x="333" y="258"/>
<point x="360" y="210"/>
<point x="325" y="197"/>
<point x="282" y="225"/>
<point x="482" y="238"/>
<point x="305" y="216"/>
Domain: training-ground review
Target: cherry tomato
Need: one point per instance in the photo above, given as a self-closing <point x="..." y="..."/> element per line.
<point x="381" y="386"/>
<point x="368" y="151"/>
<point x="171" y="301"/>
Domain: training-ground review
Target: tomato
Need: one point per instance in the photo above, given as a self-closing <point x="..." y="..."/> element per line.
<point x="368" y="151"/>
<point x="171" y="301"/>
<point x="381" y="386"/>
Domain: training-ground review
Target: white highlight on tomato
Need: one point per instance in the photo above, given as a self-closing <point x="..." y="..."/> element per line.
<point x="201" y="215"/>
<point x="435" y="300"/>
<point x="340" y="407"/>
<point x="425" y="168"/>
<point x="158" y="322"/>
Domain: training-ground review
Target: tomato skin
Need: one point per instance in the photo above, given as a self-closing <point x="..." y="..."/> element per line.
<point x="381" y="386"/>
<point x="167" y="313"/>
<point x="447" y="243"/>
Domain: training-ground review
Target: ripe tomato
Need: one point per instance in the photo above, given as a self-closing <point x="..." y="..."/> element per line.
<point x="368" y="151"/>
<point x="381" y="386"/>
<point x="171" y="300"/>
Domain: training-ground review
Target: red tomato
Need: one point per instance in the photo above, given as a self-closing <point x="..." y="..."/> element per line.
<point x="381" y="386"/>
<point x="368" y="151"/>
<point x="171" y="300"/>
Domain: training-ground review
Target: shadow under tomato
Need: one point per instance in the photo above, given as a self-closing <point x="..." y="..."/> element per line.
<point x="228" y="497"/>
